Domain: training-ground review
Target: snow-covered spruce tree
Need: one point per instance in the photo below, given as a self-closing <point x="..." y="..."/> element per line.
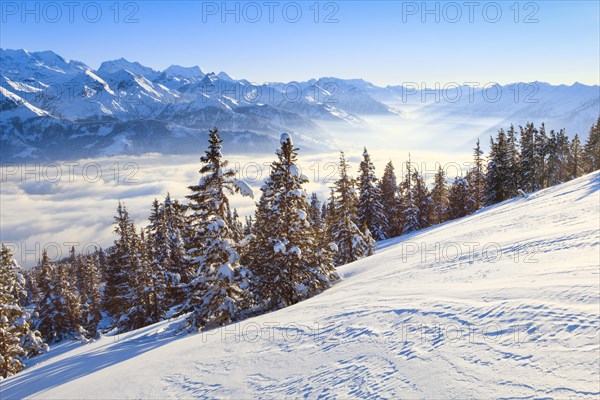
<point x="329" y="216"/>
<point x="145" y="287"/>
<point x="317" y="215"/>
<point x="102" y="262"/>
<point x="323" y="213"/>
<point x="460" y="200"/>
<point x="409" y="210"/>
<point x="370" y="208"/>
<point x="88" y="286"/>
<point x="130" y="294"/>
<point x="514" y="159"/>
<point x="558" y="157"/>
<point x="591" y="150"/>
<point x="315" y="212"/>
<point x="18" y="340"/>
<point x="352" y="242"/>
<point x="248" y="225"/>
<point x="530" y="174"/>
<point x="287" y="263"/>
<point x="178" y="271"/>
<point x="422" y="199"/>
<point x="542" y="148"/>
<point x="59" y="311"/>
<point x="117" y="291"/>
<point x="477" y="183"/>
<point x="31" y="286"/>
<point x="236" y="226"/>
<point x="389" y="200"/>
<point x="500" y="171"/>
<point x="575" y="165"/>
<point x="216" y="294"/>
<point x="159" y="257"/>
<point x="439" y="198"/>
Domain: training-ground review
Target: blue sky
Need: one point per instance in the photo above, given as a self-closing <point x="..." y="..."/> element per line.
<point x="384" y="42"/>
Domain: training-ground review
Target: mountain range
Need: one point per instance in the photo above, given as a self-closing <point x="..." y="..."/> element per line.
<point x="55" y="109"/>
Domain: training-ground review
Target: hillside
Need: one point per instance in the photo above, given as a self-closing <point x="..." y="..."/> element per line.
<point x="516" y="317"/>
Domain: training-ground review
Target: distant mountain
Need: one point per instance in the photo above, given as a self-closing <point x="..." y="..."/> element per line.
<point x="54" y="109"/>
<point x="573" y="107"/>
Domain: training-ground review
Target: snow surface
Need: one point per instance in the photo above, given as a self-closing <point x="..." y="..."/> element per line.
<point x="518" y="320"/>
<point x="244" y="188"/>
<point x="285" y="137"/>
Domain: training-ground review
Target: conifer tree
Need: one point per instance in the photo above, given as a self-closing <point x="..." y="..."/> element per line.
<point x="575" y="163"/>
<point x="59" y="308"/>
<point x="287" y="262"/>
<point x="160" y="260"/>
<point x="541" y="158"/>
<point x="529" y="154"/>
<point x="329" y="216"/>
<point x="370" y="208"/>
<point x="389" y="200"/>
<point x="591" y="150"/>
<point x="409" y="210"/>
<point x="237" y="228"/>
<point x="352" y="242"/>
<point x="422" y="199"/>
<point x="31" y="286"/>
<point x="89" y="293"/>
<point x="558" y="157"/>
<point x="18" y="340"/>
<point x="514" y="160"/>
<point x="439" y="198"/>
<point x="178" y="269"/>
<point x="500" y="171"/>
<point x="215" y="295"/>
<point x="101" y="259"/>
<point x="146" y="287"/>
<point x="477" y="183"/>
<point x="315" y="211"/>
<point x="248" y="225"/>
<point x="119" y="270"/>
<point x="459" y="199"/>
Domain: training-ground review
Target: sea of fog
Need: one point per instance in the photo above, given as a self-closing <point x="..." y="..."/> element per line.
<point x="56" y="205"/>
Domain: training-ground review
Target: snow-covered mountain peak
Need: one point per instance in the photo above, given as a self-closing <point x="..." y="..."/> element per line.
<point x="111" y="67"/>
<point x="176" y="71"/>
<point x="225" y="77"/>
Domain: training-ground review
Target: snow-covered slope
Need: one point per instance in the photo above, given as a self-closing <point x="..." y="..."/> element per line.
<point x="516" y="317"/>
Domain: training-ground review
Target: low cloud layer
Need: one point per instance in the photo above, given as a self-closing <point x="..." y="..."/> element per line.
<point x="59" y="205"/>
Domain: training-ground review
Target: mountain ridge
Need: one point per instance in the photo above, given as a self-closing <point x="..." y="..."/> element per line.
<point x="46" y="99"/>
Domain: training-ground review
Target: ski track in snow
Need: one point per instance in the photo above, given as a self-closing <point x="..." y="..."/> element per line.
<point x="402" y="324"/>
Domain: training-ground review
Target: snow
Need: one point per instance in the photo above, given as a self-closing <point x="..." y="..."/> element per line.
<point x="226" y="271"/>
<point x="184" y="101"/>
<point x="517" y="317"/>
<point x="285" y="137"/>
<point x="92" y="75"/>
<point x="244" y="188"/>
<point x="302" y="214"/>
<point x="18" y="100"/>
<point x="216" y="225"/>
<point x="295" y="171"/>
<point x="279" y="247"/>
<point x="295" y="250"/>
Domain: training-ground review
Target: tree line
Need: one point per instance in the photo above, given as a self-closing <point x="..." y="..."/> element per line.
<point x="200" y="259"/>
